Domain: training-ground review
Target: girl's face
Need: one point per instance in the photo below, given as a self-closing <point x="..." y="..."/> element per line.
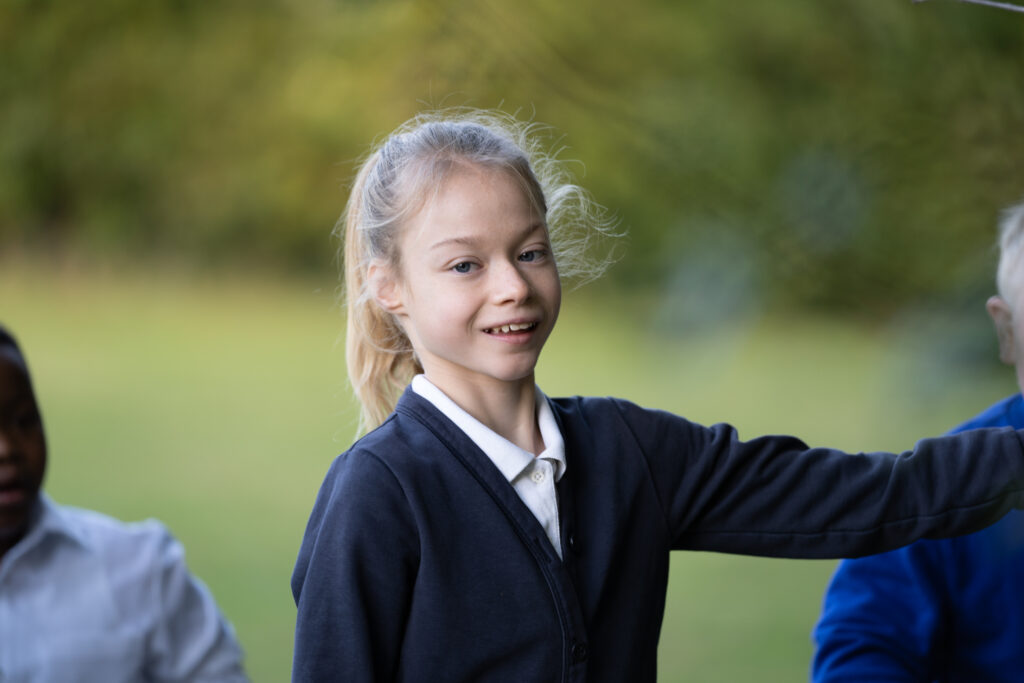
<point x="477" y="290"/>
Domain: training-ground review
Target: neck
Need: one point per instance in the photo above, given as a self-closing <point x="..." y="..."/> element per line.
<point x="507" y="408"/>
<point x="8" y="540"/>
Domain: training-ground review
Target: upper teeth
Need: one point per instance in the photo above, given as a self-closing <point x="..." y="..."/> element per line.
<point x="513" y="327"/>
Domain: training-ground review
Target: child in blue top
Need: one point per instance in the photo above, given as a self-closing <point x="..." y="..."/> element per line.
<point x="948" y="609"/>
<point x="485" y="532"/>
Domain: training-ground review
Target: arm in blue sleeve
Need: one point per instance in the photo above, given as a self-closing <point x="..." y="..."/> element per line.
<point x="884" y="617"/>
<point x="354" y="575"/>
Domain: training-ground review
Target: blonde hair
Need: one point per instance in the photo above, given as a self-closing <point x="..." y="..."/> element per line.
<point x="397" y="179"/>
<point x="1011" y="241"/>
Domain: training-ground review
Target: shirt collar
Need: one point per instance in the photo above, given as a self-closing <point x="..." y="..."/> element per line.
<point x="509" y="458"/>
<point x="47" y="520"/>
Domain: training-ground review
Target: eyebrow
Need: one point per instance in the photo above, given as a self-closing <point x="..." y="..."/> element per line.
<point x="472" y="241"/>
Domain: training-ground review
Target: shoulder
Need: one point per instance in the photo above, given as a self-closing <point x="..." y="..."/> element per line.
<point x="112" y="537"/>
<point x="1008" y="412"/>
<point x="405" y="441"/>
<point x="611" y="416"/>
<point x="595" y="408"/>
<point x="364" y="498"/>
<point x="136" y="559"/>
<point x="610" y="430"/>
<point x="375" y="476"/>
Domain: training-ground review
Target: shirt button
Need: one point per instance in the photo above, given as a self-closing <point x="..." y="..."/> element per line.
<point x="537" y="476"/>
<point x="579" y="652"/>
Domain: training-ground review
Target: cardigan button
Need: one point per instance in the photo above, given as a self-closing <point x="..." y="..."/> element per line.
<point x="572" y="541"/>
<point x="579" y="652"/>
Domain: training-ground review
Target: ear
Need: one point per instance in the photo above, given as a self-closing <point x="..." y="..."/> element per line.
<point x="384" y="287"/>
<point x="1002" y="317"/>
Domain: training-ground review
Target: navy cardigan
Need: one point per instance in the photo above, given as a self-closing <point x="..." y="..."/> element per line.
<point x="948" y="610"/>
<point x="420" y="562"/>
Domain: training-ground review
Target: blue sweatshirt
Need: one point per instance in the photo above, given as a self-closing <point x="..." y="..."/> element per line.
<point x="938" y="610"/>
<point x="421" y="563"/>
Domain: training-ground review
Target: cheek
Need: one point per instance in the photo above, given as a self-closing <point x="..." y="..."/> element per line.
<point x="553" y="289"/>
<point x="37" y="456"/>
<point x="441" y="311"/>
<point x="1018" y="337"/>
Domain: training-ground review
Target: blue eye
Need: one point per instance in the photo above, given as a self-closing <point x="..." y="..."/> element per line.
<point x="531" y="256"/>
<point x="463" y="267"/>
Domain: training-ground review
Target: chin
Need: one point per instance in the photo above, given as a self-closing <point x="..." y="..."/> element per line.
<point x="11" y="531"/>
<point x="517" y="375"/>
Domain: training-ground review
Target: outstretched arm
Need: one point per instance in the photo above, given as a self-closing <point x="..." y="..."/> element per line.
<point x="775" y="496"/>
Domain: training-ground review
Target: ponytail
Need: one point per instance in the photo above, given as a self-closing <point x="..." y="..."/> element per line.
<point x="378" y="354"/>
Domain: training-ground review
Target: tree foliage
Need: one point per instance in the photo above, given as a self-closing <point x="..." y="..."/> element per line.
<point x="842" y="153"/>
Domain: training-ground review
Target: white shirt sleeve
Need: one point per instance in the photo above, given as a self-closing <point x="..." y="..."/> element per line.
<point x="191" y="641"/>
<point x="87" y="598"/>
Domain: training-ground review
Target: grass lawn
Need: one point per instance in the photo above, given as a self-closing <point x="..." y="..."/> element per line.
<point x="216" y="403"/>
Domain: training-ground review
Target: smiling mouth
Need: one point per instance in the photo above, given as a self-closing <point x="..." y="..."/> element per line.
<point x="511" y="327"/>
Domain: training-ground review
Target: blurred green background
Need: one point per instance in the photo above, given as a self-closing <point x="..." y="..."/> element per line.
<point x="810" y="192"/>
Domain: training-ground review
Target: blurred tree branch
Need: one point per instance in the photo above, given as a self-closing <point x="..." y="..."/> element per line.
<point x="991" y="3"/>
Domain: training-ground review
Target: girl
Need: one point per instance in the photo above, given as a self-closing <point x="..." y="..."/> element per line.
<point x="485" y="532"/>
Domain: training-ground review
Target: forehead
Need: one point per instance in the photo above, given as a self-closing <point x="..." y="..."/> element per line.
<point x="475" y="198"/>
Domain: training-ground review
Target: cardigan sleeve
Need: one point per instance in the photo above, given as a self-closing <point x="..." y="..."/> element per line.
<point x="775" y="496"/>
<point x="895" y="616"/>
<point x="354" y="574"/>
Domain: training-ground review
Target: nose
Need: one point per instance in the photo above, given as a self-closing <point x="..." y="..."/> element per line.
<point x="510" y="286"/>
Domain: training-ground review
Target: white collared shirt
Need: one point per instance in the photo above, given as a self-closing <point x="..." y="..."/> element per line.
<point x="87" y="598"/>
<point x="533" y="478"/>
